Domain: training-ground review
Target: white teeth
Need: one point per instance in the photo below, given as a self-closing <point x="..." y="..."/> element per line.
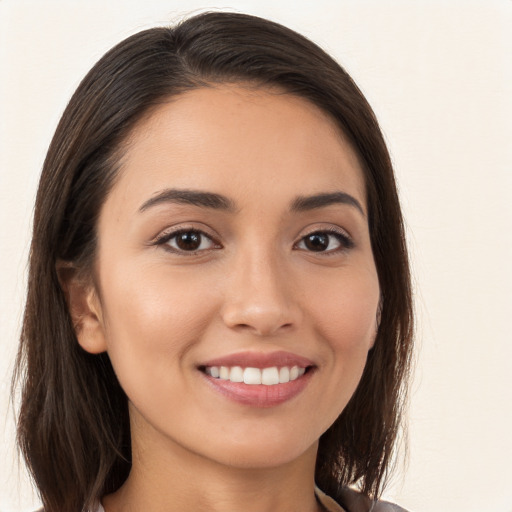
<point x="253" y="376"/>
<point x="284" y="374"/>
<point x="294" y="372"/>
<point x="236" y="374"/>
<point x="270" y="376"/>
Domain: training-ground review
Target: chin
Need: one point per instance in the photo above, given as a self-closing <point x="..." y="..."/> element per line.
<point x="258" y="455"/>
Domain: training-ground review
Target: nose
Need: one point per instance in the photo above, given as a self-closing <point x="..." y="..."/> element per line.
<point x="259" y="297"/>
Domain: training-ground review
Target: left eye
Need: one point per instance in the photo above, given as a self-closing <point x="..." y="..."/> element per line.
<point x="324" y="241"/>
<point x="190" y="240"/>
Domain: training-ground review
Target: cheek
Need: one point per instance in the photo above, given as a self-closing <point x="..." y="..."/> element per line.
<point x="342" y="309"/>
<point x="346" y="311"/>
<point x="151" y="320"/>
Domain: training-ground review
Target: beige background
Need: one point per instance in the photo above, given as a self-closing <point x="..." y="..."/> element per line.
<point x="439" y="76"/>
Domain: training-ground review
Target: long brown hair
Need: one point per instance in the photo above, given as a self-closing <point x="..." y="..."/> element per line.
<point x="73" y="426"/>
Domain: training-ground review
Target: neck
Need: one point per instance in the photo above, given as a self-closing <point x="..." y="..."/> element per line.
<point x="163" y="480"/>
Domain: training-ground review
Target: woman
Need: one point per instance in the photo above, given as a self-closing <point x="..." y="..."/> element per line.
<point x="219" y="310"/>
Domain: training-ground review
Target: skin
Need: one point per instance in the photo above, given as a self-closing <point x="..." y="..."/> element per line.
<point x="256" y="287"/>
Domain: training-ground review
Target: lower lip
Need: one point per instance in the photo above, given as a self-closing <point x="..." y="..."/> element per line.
<point x="259" y="395"/>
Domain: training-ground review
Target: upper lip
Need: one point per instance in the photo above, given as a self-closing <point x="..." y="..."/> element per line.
<point x="260" y="360"/>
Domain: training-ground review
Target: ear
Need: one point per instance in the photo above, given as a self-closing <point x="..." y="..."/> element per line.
<point x="84" y="308"/>
<point x="378" y="318"/>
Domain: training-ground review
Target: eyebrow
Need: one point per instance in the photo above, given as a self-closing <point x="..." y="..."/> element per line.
<point x="221" y="202"/>
<point x="306" y="203"/>
<point x="194" y="197"/>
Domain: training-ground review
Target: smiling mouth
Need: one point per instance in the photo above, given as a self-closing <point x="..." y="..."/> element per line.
<point x="259" y="379"/>
<point x="269" y="376"/>
<point x="264" y="386"/>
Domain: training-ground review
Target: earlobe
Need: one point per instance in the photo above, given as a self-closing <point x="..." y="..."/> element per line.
<point x="84" y="308"/>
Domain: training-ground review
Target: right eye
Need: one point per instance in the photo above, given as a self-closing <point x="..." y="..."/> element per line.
<point x="187" y="241"/>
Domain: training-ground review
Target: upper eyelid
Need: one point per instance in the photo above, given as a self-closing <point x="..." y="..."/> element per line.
<point x="169" y="233"/>
<point x="331" y="229"/>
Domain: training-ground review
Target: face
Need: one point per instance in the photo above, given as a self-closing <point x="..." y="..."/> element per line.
<point x="235" y="288"/>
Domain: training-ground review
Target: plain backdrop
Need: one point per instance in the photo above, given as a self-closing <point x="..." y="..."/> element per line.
<point x="439" y="76"/>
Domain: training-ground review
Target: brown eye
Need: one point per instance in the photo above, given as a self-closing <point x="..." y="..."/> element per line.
<point x="187" y="240"/>
<point x="317" y="242"/>
<point x="325" y="241"/>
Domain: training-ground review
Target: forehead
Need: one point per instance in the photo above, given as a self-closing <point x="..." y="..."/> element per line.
<point x="235" y="140"/>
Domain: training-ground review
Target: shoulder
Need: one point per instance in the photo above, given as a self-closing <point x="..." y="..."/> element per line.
<point x="353" y="501"/>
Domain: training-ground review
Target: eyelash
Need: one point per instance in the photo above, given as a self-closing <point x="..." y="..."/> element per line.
<point x="166" y="237"/>
<point x="345" y="242"/>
